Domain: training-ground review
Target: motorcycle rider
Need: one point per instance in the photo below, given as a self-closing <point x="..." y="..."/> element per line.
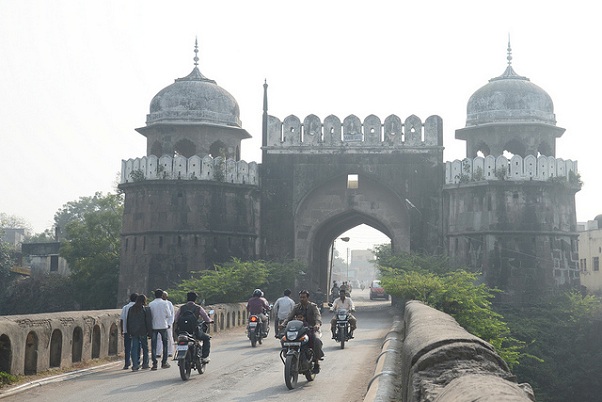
<point x="313" y="317"/>
<point x="199" y="312"/>
<point x="343" y="302"/>
<point x="258" y="305"/>
<point x="319" y="298"/>
<point x="282" y="308"/>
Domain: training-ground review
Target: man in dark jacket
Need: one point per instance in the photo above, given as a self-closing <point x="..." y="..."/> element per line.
<point x="313" y="317"/>
<point x="199" y="312"/>
<point x="140" y="328"/>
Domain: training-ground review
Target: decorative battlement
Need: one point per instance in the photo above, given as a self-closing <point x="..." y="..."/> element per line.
<point x="351" y="133"/>
<point x="193" y="168"/>
<point x="542" y="168"/>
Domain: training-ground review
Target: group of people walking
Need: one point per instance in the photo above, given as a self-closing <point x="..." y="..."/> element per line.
<point x="140" y="321"/>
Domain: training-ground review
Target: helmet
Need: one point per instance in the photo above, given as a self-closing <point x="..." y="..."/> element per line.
<point x="257" y="293"/>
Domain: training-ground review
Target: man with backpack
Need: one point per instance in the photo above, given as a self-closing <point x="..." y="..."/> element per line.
<point x="187" y="320"/>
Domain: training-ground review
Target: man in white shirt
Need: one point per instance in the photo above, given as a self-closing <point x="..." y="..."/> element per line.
<point x="161" y="316"/>
<point x="343" y="302"/>
<point x="282" y="308"/>
<point x="127" y="341"/>
<point x="170" y="342"/>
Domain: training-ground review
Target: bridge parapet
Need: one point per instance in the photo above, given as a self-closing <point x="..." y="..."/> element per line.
<point x="442" y="362"/>
<point x="292" y="135"/>
<point x="34" y="343"/>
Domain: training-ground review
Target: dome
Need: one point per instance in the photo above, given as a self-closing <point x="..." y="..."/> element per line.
<point x="510" y="98"/>
<point x="194" y="99"/>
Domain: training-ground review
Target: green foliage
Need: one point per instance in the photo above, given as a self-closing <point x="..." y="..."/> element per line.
<point x="236" y="280"/>
<point x="454" y="291"/>
<point x="40" y="294"/>
<point x="137" y="175"/>
<point x="6" y="263"/>
<point x="7" y="379"/>
<point x="564" y="330"/>
<point x="92" y="248"/>
<point x="45" y="237"/>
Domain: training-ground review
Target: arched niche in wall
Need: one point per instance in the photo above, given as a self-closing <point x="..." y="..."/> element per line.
<point x="56" y="348"/>
<point x="31" y="354"/>
<point x="113" y="340"/>
<point x="218" y="148"/>
<point x="6" y="353"/>
<point x="96" y="342"/>
<point x="77" y="345"/>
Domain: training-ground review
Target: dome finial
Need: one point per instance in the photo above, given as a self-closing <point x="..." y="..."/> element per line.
<point x="196" y="51"/>
<point x="509" y="56"/>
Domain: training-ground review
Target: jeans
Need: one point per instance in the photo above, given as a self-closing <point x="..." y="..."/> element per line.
<point x="206" y="343"/>
<point x="137" y="343"/>
<point x="127" y="348"/>
<point x="163" y="333"/>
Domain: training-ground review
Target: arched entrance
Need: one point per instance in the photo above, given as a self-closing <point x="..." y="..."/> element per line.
<point x="332" y="208"/>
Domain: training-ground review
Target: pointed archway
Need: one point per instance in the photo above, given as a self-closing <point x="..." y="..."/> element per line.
<point x="332" y="208"/>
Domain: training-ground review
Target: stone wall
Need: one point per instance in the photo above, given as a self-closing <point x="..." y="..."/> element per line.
<point x="34" y="343"/>
<point x="442" y="362"/>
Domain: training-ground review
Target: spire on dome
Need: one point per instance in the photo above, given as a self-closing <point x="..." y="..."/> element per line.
<point x="196" y="74"/>
<point x="509" y="74"/>
<point x="509" y="50"/>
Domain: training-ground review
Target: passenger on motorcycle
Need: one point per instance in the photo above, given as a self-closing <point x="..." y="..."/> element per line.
<point x="258" y="305"/>
<point x="199" y="312"/>
<point x="282" y="308"/>
<point x="343" y="302"/>
<point x="313" y="318"/>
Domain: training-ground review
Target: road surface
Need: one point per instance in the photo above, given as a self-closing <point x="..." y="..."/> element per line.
<point x="238" y="372"/>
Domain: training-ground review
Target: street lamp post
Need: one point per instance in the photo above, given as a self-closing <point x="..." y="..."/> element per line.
<point x="347" y="265"/>
<point x="329" y="284"/>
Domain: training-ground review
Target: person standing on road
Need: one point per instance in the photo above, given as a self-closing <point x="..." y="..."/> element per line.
<point x="127" y="341"/>
<point x="139" y="328"/>
<point x="169" y="328"/>
<point x="282" y="308"/>
<point x="161" y="316"/>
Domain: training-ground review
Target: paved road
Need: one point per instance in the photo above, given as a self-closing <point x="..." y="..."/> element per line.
<point x="238" y="372"/>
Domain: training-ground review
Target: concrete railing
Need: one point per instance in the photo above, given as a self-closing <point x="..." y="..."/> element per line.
<point x="33" y="343"/>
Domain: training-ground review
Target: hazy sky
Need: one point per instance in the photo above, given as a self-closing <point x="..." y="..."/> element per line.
<point x="77" y="77"/>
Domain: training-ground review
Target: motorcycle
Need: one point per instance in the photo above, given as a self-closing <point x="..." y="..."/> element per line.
<point x="254" y="329"/>
<point x="342" y="332"/>
<point x="296" y="354"/>
<point x="188" y="352"/>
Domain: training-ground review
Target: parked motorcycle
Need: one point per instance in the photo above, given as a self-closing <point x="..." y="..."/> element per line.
<point x="254" y="329"/>
<point x="296" y="354"/>
<point x="188" y="352"/>
<point x="342" y="332"/>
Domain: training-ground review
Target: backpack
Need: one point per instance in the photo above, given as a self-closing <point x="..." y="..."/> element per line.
<point x="187" y="322"/>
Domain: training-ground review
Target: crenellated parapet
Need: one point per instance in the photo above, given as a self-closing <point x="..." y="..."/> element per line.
<point x="542" y="168"/>
<point x="194" y="168"/>
<point x="294" y="135"/>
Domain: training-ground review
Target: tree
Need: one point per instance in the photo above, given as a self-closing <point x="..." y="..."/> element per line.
<point x="564" y="330"/>
<point x="235" y="281"/>
<point x="91" y="248"/>
<point x="6" y="263"/>
<point x="13" y="221"/>
<point x="452" y="290"/>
